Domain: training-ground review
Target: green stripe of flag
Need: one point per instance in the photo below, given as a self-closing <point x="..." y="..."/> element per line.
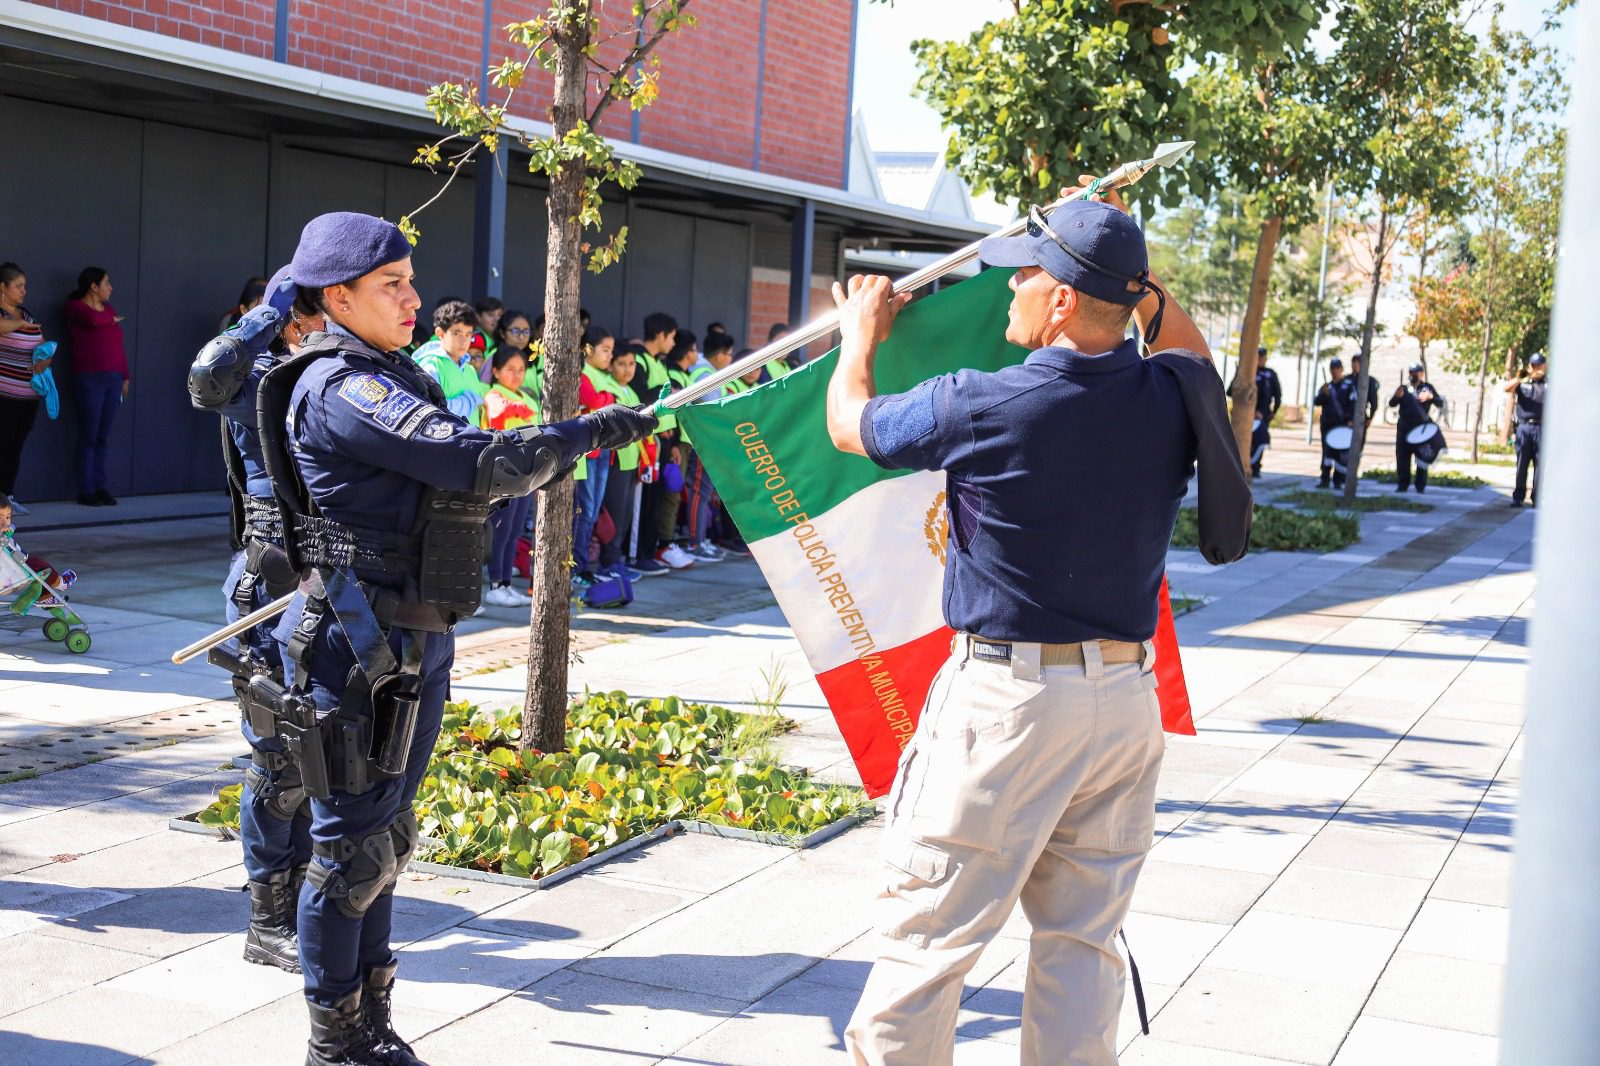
<point x="768" y="450"/>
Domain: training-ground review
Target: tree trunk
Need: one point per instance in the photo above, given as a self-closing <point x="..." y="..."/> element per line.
<point x="1488" y="325"/>
<point x="1358" y="438"/>
<point x="544" y="709"/>
<point x="1508" y="415"/>
<point x="1243" y="389"/>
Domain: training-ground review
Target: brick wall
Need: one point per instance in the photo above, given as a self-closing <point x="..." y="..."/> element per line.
<point x="243" y="26"/>
<point x="709" y="74"/>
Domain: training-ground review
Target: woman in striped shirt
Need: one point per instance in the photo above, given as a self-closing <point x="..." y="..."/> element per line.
<point x="20" y="335"/>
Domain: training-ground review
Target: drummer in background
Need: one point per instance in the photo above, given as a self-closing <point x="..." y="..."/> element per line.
<point x="1529" y="392"/>
<point x="1334" y="399"/>
<point x="1269" y="397"/>
<point x="1351" y="382"/>
<point x="1413" y="438"/>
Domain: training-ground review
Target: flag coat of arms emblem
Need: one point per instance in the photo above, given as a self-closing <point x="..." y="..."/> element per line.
<point x="855" y="554"/>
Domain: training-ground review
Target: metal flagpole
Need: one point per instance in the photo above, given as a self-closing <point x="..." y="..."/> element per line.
<point x="1552" y="982"/>
<point x="1128" y="173"/>
<point x="1322" y="292"/>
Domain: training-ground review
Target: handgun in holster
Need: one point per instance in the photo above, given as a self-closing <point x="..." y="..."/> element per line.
<point x="245" y="666"/>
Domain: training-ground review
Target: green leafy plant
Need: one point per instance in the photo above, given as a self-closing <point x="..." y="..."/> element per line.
<point x="1449" y="479"/>
<point x="1280" y="529"/>
<point x="629" y="767"/>
<point x="1311" y="500"/>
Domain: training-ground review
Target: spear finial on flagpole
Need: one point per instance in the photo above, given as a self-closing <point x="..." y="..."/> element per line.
<point x="1165" y="155"/>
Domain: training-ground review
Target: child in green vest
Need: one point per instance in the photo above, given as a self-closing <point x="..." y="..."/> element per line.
<point x="596" y="389"/>
<point x="505" y="406"/>
<point x="622" y="484"/>
<point x="445" y="358"/>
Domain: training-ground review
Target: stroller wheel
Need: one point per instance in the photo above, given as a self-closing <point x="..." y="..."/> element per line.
<point x="78" y="641"/>
<point x="55" y="629"/>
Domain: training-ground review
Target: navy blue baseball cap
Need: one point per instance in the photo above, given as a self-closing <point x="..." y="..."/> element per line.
<point x="344" y="245"/>
<point x="1336" y="362"/>
<point x="1538" y="359"/>
<point x="1089" y="245"/>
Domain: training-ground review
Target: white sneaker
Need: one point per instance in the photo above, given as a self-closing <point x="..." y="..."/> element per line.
<point x="17" y="508"/>
<point x="503" y="596"/>
<point x="707" y="552"/>
<point x="675" y="557"/>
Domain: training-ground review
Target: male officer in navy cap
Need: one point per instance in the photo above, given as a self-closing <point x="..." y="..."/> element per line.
<point x="274" y="816"/>
<point x="1529" y="390"/>
<point x="1414" y="401"/>
<point x="1269" y="397"/>
<point x="1032" y="772"/>
<point x="1333" y="404"/>
<point x="384" y="496"/>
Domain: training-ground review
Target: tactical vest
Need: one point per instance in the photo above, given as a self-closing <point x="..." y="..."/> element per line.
<point x="438" y="563"/>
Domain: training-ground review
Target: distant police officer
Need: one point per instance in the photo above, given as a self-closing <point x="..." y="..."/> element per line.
<point x="1529" y="392"/>
<point x="1416" y="436"/>
<point x="1269" y="397"/>
<point x="384" y="496"/>
<point x="274" y="816"/>
<point x="1334" y="401"/>
<point x="1032" y="772"/>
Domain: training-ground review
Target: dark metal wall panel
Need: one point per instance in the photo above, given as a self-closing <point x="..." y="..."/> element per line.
<point x="69" y="198"/>
<point x="659" y="268"/>
<point x="306" y="184"/>
<point x="443" y="256"/>
<point x="195" y="248"/>
<point x="527" y="234"/>
<point x="721" y="273"/>
<point x="603" y="293"/>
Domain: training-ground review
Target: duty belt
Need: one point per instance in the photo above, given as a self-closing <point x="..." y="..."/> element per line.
<point x="999" y="651"/>
<point x="1527" y="421"/>
<point x="262" y="520"/>
<point x="324" y="542"/>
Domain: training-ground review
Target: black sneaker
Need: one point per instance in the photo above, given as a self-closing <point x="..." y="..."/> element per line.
<point x="105" y="497"/>
<point x="89" y="499"/>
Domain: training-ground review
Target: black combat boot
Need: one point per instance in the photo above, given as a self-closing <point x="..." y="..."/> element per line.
<point x="339" y="1035"/>
<point x="271" y="939"/>
<point x="375" y="1008"/>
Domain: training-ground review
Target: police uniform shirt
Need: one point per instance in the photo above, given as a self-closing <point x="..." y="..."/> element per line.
<point x="1269" y="393"/>
<point x="240" y="413"/>
<point x="1337" y="403"/>
<point x="1530" y="402"/>
<point x="1065" y="473"/>
<point x="1413" y="411"/>
<point x="367" y="439"/>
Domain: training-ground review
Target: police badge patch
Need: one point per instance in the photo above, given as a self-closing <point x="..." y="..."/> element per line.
<point x="395" y="408"/>
<point x="365" y="392"/>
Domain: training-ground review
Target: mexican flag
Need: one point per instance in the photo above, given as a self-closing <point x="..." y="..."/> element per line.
<point x="854" y="553"/>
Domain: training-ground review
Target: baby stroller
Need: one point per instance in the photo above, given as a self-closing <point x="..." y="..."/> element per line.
<point x="24" y="589"/>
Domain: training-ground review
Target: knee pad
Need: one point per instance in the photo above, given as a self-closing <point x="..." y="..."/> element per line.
<point x="403" y="833"/>
<point x="370" y="868"/>
<point x="274" y="780"/>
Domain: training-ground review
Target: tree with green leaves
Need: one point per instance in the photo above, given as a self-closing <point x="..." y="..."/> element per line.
<point x="1275" y="136"/>
<point x="592" y="61"/>
<point x="1396" y="68"/>
<point x="1296" y="313"/>
<point x="1061" y="87"/>
<point x="1518" y="94"/>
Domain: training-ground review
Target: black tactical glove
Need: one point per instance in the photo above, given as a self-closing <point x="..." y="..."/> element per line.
<point x="617" y="425"/>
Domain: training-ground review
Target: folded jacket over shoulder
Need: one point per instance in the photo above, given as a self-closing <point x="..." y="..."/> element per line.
<point x="1226" y="505"/>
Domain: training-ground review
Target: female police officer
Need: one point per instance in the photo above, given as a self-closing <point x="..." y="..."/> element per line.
<point x="274" y="818"/>
<point x="384" y="496"/>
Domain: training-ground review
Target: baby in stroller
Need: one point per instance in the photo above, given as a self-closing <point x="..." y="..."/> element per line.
<point x="28" y="582"/>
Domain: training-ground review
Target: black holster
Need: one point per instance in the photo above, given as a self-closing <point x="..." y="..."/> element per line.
<point x="274" y="711"/>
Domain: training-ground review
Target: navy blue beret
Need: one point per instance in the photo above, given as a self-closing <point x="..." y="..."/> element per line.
<point x="343" y="245"/>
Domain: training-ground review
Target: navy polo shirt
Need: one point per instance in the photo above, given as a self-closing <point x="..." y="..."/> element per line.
<point x="1065" y="474"/>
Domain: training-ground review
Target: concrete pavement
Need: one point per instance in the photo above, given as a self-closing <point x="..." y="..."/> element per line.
<point x="1329" y="884"/>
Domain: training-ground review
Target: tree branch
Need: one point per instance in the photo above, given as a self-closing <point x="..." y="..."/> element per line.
<point x="635" y="55"/>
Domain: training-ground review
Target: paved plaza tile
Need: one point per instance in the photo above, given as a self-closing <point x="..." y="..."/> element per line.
<point x="1330" y="883"/>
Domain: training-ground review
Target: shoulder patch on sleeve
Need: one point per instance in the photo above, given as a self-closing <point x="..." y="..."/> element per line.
<point x="365" y="392"/>
<point x="393" y="410"/>
<point x="899" y="421"/>
<point x="438" y="427"/>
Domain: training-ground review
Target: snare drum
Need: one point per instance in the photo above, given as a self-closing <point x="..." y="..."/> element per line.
<point x="1425" y="432"/>
<point x="1338" y="438"/>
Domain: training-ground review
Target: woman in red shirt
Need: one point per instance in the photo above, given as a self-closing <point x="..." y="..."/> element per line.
<point x="100" y="371"/>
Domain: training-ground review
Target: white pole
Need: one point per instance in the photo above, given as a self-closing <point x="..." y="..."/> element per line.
<point x="1552" y="980"/>
<point x="1322" y="292"/>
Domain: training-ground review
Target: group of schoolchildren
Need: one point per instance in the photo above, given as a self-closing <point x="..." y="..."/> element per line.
<point x="646" y="509"/>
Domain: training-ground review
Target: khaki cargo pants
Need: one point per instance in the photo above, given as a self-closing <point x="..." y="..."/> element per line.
<point x="1023" y="782"/>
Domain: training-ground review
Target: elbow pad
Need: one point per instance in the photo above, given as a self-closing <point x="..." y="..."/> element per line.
<point x="518" y="463"/>
<point x="218" y="373"/>
<point x="220" y="370"/>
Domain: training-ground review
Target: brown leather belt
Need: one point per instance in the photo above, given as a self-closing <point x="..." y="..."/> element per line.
<point x="999" y="651"/>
